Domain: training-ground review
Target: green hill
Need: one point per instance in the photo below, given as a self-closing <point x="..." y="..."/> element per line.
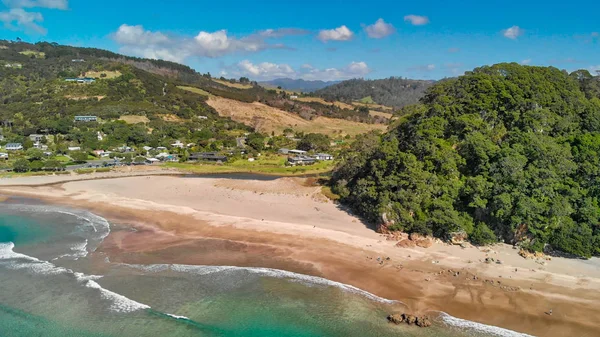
<point x="394" y="91"/>
<point x="506" y="153"/>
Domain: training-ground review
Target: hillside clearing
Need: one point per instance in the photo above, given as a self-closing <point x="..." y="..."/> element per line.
<point x="373" y="106"/>
<point x="78" y="98"/>
<point x="385" y="115"/>
<point x="37" y="54"/>
<point x="234" y="85"/>
<point x="134" y="119"/>
<point x="195" y="90"/>
<point x="324" y="102"/>
<point x="98" y="74"/>
<point x="268" y="119"/>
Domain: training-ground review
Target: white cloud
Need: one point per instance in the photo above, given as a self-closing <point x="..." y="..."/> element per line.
<point x="379" y="29"/>
<point x="281" y="32"/>
<point x="267" y="71"/>
<point x="341" y="33"/>
<point x="416" y="20"/>
<point x="526" y="61"/>
<point x="141" y="42"/>
<point x="595" y="69"/>
<point x="352" y="70"/>
<point x="53" y="4"/>
<point x="16" y="18"/>
<point x="513" y="32"/>
<point x="19" y="19"/>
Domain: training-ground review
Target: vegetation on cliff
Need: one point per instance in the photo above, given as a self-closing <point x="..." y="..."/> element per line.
<point x="505" y="152"/>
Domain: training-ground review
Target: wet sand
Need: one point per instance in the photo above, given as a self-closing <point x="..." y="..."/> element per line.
<point x="284" y="224"/>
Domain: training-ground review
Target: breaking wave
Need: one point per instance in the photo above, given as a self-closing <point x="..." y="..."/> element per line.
<point x="479" y="327"/>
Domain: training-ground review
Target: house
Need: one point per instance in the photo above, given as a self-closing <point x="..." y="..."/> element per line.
<point x="202" y="117"/>
<point x="208" y="156"/>
<point x="124" y="148"/>
<point x="151" y="160"/>
<point x="98" y="153"/>
<point x="81" y="80"/>
<point x="284" y="151"/>
<point x="86" y="118"/>
<point x="36" y="137"/>
<point x="77" y="60"/>
<point x="297" y="152"/>
<point x="167" y="157"/>
<point x="301" y="160"/>
<point x="148" y="148"/>
<point x="14" y="147"/>
<point x="74" y="148"/>
<point x="161" y="148"/>
<point x="100" y="136"/>
<point x="293" y="97"/>
<point x="178" y="144"/>
<point x="3" y="155"/>
<point x="323" y="156"/>
<point x="40" y="146"/>
<point x="13" y="65"/>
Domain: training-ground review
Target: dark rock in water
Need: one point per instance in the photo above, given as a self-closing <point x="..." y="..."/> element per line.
<point x="423" y="322"/>
<point x="409" y="319"/>
<point x="396" y="318"/>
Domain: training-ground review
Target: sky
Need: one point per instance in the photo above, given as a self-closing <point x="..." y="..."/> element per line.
<point x="320" y="40"/>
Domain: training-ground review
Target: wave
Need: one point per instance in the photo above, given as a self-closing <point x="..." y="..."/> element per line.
<point x="178" y="317"/>
<point x="479" y="327"/>
<point x="119" y="302"/>
<point x="269" y="272"/>
<point x="92" y="228"/>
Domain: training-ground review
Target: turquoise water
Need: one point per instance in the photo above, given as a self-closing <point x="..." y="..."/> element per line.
<point x="53" y="283"/>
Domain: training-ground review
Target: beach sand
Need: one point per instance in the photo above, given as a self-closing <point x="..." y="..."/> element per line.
<point x="287" y="224"/>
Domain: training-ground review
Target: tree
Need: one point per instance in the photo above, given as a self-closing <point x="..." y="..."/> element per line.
<point x="34" y="154"/>
<point x="36" y="165"/>
<point x="53" y="165"/>
<point x="256" y="141"/>
<point x="314" y="142"/>
<point x="139" y="160"/>
<point x="21" y="165"/>
<point x="79" y="156"/>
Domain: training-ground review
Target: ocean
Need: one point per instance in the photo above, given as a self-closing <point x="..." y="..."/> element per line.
<point x="54" y="283"/>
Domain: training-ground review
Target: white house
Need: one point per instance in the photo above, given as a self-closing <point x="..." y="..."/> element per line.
<point x="148" y="148"/>
<point x="178" y="144"/>
<point x="293" y="97"/>
<point x="74" y="148"/>
<point x="300" y="152"/>
<point x="323" y="156"/>
<point x="3" y="155"/>
<point x="14" y="147"/>
<point x="202" y="117"/>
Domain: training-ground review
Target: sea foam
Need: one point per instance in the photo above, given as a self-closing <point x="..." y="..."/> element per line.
<point x="479" y="327"/>
<point x="269" y="272"/>
<point x="13" y="260"/>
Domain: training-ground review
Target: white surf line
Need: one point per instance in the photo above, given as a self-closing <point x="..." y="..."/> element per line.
<point x="480" y="327"/>
<point x="275" y="273"/>
<point x="120" y="303"/>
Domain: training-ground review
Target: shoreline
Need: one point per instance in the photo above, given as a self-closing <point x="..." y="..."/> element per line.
<point x="173" y="227"/>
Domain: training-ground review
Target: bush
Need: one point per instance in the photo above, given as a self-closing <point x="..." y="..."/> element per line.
<point x="36" y="165"/>
<point x="482" y="235"/>
<point x="21" y="165"/>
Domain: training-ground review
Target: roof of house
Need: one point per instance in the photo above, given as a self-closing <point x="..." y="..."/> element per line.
<point x="14" y="144"/>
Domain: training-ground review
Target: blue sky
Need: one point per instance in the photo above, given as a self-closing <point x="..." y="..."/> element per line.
<point x="328" y="40"/>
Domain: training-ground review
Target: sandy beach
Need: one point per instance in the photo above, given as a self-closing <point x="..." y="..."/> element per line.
<point x="287" y="224"/>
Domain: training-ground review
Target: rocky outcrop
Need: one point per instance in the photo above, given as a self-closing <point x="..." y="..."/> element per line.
<point x="406" y="243"/>
<point x="458" y="237"/>
<point x="420" y="321"/>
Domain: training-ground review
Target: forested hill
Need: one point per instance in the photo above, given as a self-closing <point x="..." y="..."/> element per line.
<point x="297" y="84"/>
<point x="506" y="153"/>
<point x="393" y="91"/>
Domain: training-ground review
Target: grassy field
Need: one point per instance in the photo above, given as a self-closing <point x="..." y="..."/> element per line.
<point x="37" y="54"/>
<point x="133" y="119"/>
<point x="98" y="74"/>
<point x="233" y="85"/>
<point x="268" y="119"/>
<point x="386" y="115"/>
<point x="374" y="106"/>
<point x="324" y="102"/>
<point x="195" y="90"/>
<point x="271" y="166"/>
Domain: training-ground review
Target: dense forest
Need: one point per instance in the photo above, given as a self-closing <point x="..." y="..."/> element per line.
<point x="505" y="153"/>
<point x="393" y="91"/>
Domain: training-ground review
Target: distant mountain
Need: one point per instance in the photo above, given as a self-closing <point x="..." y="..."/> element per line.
<point x="298" y="85"/>
<point x="393" y="91"/>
